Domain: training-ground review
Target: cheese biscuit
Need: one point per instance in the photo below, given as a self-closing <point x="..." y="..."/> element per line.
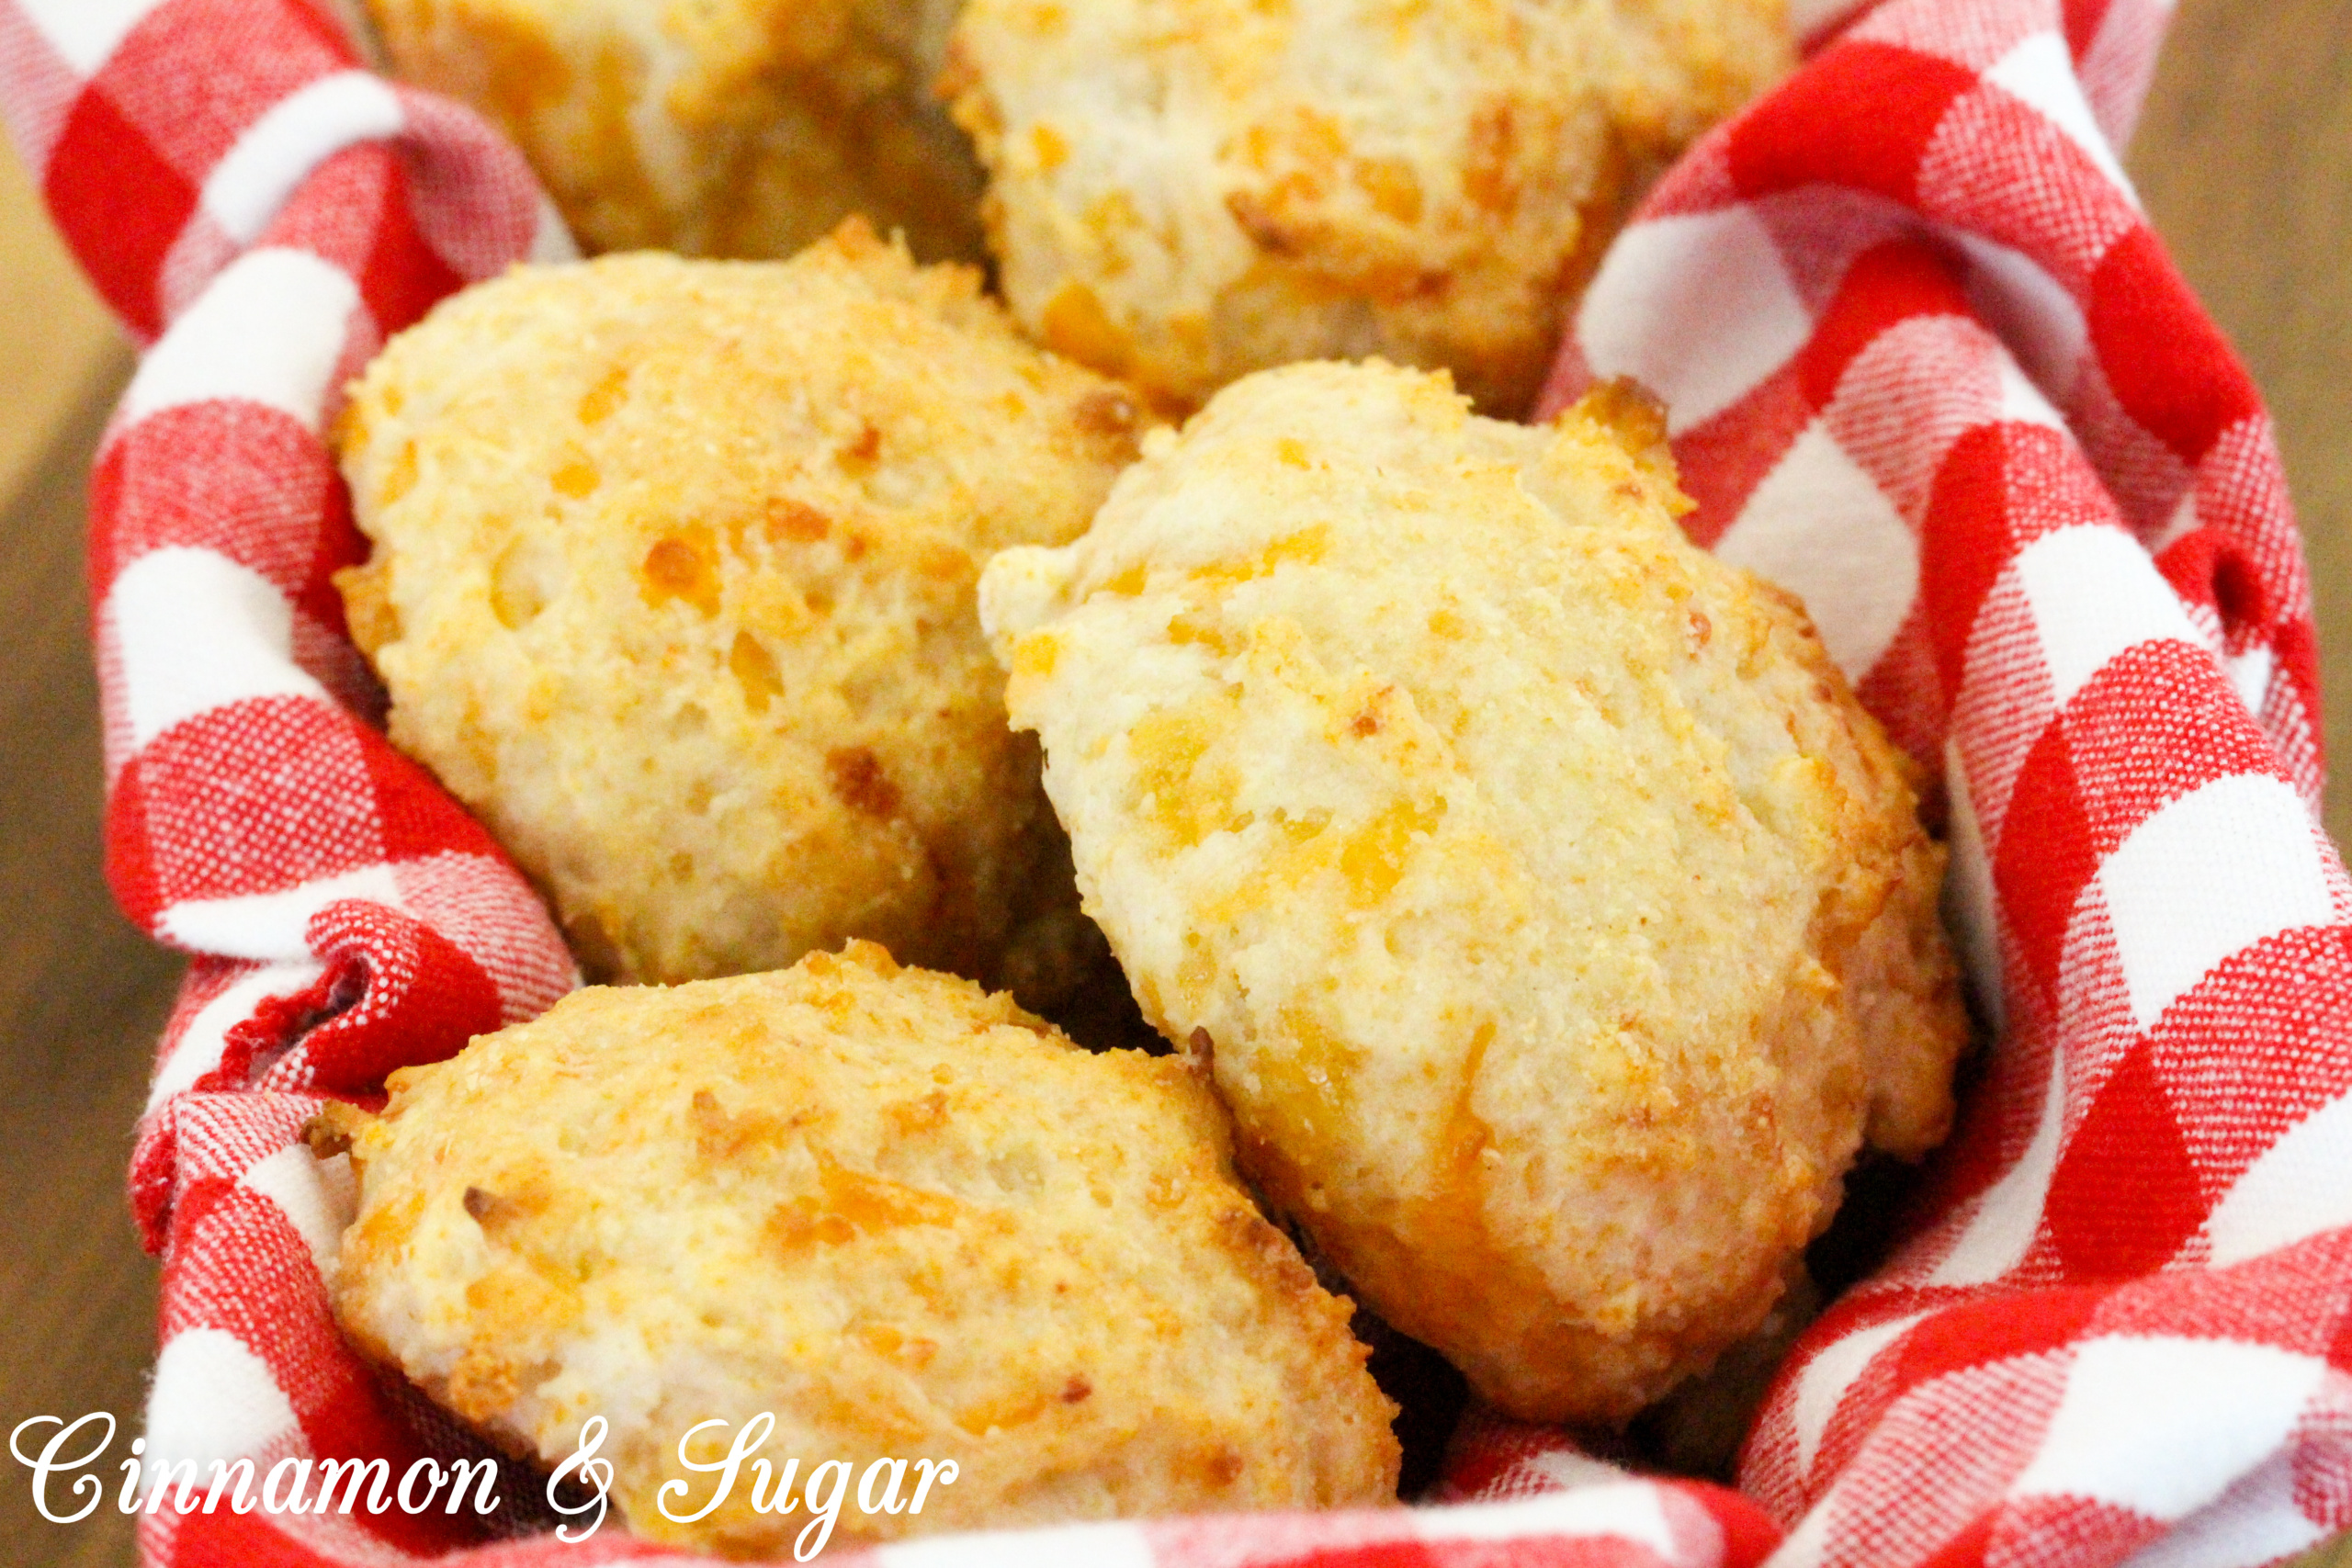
<point x="903" y="1217"/>
<point x="1556" y="922"/>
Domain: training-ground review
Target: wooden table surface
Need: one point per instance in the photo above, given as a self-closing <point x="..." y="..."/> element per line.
<point x="2245" y="159"/>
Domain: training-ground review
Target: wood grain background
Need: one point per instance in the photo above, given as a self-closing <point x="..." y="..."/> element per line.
<point x="2245" y="159"/>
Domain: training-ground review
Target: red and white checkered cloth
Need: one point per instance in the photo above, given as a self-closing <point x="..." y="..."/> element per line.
<point x="1927" y="366"/>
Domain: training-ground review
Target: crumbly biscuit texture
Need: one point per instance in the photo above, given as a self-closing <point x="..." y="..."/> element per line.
<point x="1557" y="924"/>
<point x="1183" y="191"/>
<point x="900" y="1214"/>
<point x="723" y="128"/>
<point x="673" y="585"/>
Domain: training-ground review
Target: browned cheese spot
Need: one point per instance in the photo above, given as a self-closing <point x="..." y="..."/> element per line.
<point x="851" y="1204"/>
<point x="684" y="568"/>
<point x="1075" y="324"/>
<point x="927" y="1114"/>
<point x="400" y="476"/>
<point x="857" y="780"/>
<point x="1002" y="1413"/>
<point x="1051" y="148"/>
<point x="796" y="521"/>
<point x="495" y="1213"/>
<point x="1259" y="223"/>
<point x="1221" y="1466"/>
<point x="597" y="403"/>
<point x="888" y="1339"/>
<point x="1487" y="177"/>
<point x="1107" y="412"/>
<point x="754" y="669"/>
<point x="1394" y="188"/>
<point x="1201" y="1054"/>
<point x="578" y="476"/>
<point x="325" y="1137"/>
<point x="720" y="1136"/>
<point x="1630" y="410"/>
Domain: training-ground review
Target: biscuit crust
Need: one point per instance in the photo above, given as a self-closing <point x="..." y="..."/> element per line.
<point x="901" y="1214"/>
<point x="1182" y="191"/>
<point x="673" y="586"/>
<point x="1557" y="922"/>
<point x="719" y="127"/>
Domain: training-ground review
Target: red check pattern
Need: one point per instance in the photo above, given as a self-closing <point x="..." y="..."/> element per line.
<point x="1926" y="365"/>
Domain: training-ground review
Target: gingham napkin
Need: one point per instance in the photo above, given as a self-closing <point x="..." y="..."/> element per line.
<point x="1927" y="366"/>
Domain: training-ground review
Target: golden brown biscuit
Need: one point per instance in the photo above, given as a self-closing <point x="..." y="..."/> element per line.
<point x="674" y="587"/>
<point x="723" y="128"/>
<point x="1558" y="924"/>
<point x="905" y="1217"/>
<point x="1182" y="191"/>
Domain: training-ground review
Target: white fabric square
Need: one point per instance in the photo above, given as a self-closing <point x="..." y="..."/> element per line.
<point x="2032" y="311"/>
<point x="1698" y="308"/>
<point x="2021" y="401"/>
<point x="202" y="1043"/>
<point x="195" y="631"/>
<point x="2255" y="1522"/>
<point x="1569" y="1470"/>
<point x="2040" y="72"/>
<point x="2184" y="520"/>
<point x="270" y="925"/>
<point x="212" y="1398"/>
<point x="2299" y="1186"/>
<point x="1071" y="1546"/>
<point x="300" y="132"/>
<point x="2095" y="594"/>
<point x="1629" y="1511"/>
<point x="551" y="241"/>
<point x="1820" y="527"/>
<point x="2001" y="1228"/>
<point x="2163" y="1426"/>
<point x="84" y="32"/>
<point x="1807" y="1545"/>
<point x="2250" y="675"/>
<point x="2220" y="868"/>
<point x="269" y="330"/>
<point x="319" y="1198"/>
<point x="1822" y="1386"/>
